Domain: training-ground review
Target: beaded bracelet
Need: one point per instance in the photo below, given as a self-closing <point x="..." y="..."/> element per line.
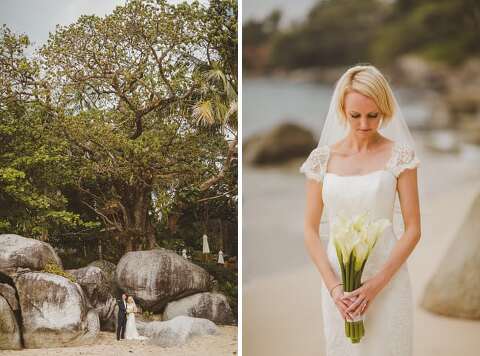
<point x="335" y="286"/>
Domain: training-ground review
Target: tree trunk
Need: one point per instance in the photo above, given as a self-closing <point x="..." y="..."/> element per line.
<point x="151" y="241"/>
<point x="100" y="254"/>
<point x="138" y="232"/>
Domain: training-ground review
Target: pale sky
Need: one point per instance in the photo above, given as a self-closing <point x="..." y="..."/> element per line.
<point x="36" y="18"/>
<point x="291" y="9"/>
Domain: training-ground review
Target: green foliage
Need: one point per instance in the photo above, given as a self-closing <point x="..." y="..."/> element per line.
<point x="36" y="165"/>
<point x="173" y="244"/>
<point x="443" y="31"/>
<point x="256" y="33"/>
<point x="342" y="32"/>
<point x="150" y="74"/>
<point x="147" y="315"/>
<point x="334" y="33"/>
<point x="52" y="267"/>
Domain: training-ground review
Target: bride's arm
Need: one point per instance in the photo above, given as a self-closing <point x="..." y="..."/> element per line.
<point x="312" y="240"/>
<point x="409" y="202"/>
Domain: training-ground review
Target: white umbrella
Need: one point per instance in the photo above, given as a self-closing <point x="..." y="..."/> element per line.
<point x="206" y="248"/>
<point x="220" y="257"/>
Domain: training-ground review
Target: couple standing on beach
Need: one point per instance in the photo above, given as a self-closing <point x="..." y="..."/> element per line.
<point x="126" y="325"/>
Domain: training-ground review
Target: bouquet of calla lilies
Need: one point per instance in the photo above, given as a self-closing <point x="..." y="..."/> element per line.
<point x="354" y="238"/>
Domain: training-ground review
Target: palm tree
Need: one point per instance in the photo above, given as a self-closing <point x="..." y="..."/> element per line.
<point x="218" y="105"/>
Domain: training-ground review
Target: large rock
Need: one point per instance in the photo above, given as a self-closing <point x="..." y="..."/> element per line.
<point x="97" y="289"/>
<point x="421" y="73"/>
<point x="18" y="252"/>
<point x="8" y="292"/>
<point x="55" y="311"/>
<point x="176" y="332"/>
<point x="108" y="269"/>
<point x="454" y="289"/>
<point x="9" y="330"/>
<point x="211" y="306"/>
<point x="158" y="276"/>
<point x="281" y="144"/>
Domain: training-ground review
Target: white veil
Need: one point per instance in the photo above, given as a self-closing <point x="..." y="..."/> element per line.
<point x="335" y="128"/>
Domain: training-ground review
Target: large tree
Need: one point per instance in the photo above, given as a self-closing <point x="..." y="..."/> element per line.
<point x="122" y="90"/>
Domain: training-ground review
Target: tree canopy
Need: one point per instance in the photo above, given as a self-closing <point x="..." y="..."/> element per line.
<point x="104" y="127"/>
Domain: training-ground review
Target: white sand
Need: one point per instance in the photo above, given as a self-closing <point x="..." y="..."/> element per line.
<point x="281" y="295"/>
<point x="225" y="343"/>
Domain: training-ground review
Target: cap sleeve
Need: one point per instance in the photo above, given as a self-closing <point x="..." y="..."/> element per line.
<point x="404" y="157"/>
<point x="315" y="165"/>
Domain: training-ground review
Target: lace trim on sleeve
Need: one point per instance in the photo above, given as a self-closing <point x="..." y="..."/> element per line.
<point x="315" y="165"/>
<point x="403" y="157"/>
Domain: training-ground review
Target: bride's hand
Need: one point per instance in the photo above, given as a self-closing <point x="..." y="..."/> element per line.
<point x="364" y="295"/>
<point x="342" y="304"/>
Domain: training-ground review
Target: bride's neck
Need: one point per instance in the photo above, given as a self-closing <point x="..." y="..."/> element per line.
<point x="360" y="144"/>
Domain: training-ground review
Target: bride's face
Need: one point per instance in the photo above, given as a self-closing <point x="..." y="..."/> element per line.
<point x="362" y="114"/>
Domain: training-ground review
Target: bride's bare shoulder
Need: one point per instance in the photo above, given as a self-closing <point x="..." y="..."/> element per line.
<point x="387" y="143"/>
<point x="337" y="147"/>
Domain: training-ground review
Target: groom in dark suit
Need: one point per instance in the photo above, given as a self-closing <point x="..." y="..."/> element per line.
<point x="122" y="316"/>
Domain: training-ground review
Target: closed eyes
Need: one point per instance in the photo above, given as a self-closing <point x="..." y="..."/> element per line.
<point x="370" y="115"/>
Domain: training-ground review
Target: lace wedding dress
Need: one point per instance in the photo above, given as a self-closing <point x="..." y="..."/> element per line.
<point x="389" y="319"/>
<point x="131" y="332"/>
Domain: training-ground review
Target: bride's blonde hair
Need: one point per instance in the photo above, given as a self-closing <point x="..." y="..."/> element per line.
<point x="370" y="82"/>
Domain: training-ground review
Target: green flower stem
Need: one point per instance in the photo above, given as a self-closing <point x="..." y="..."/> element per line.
<point x="342" y="266"/>
<point x="354" y="333"/>
<point x="352" y="272"/>
<point x="345" y="268"/>
<point x="363" y="265"/>
<point x="358" y="277"/>
<point x="357" y="332"/>
<point x="362" y="326"/>
<point x="347" y="288"/>
<point x="347" y="277"/>
<point x="351" y="287"/>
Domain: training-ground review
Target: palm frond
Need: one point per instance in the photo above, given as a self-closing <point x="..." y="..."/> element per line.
<point x="203" y="112"/>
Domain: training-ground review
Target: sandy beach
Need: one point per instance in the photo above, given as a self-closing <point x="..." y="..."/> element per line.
<point x="225" y="343"/>
<point x="281" y="290"/>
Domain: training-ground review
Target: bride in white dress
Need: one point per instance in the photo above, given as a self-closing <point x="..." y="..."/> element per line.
<point x="131" y="332"/>
<point x="365" y="156"/>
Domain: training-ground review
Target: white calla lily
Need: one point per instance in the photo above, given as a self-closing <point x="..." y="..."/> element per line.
<point x="354" y="239"/>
